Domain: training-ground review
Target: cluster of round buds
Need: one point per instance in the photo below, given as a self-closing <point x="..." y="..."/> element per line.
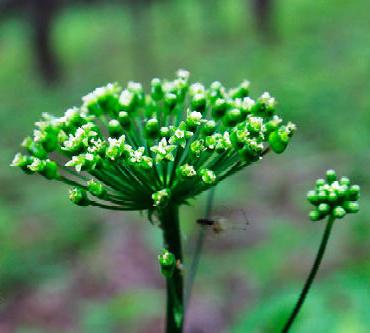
<point x="126" y="149"/>
<point x="333" y="197"/>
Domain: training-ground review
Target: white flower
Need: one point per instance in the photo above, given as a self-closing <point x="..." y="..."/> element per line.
<point x="163" y="151"/>
<point x="115" y="147"/>
<point x="126" y="98"/>
<point x="267" y="100"/>
<point x="187" y="170"/>
<point x="197" y="88"/>
<point x="136" y="156"/>
<point x="248" y="103"/>
<point x="195" y="117"/>
<point x="183" y="74"/>
<point x="207" y="176"/>
<point x="160" y="197"/>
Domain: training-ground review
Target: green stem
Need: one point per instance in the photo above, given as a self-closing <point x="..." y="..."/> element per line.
<point x="311" y="276"/>
<point x="169" y="217"/>
<point x="198" y="248"/>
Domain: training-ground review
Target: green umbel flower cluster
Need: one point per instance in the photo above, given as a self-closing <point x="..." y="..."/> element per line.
<point x="333" y="197"/>
<point x="126" y="149"/>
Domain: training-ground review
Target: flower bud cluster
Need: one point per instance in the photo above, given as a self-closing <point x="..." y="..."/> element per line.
<point x="333" y="197"/>
<point x="131" y="150"/>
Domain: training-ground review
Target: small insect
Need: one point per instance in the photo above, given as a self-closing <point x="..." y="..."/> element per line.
<point x="219" y="225"/>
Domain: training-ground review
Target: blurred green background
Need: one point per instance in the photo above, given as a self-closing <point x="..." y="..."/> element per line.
<point x="69" y="269"/>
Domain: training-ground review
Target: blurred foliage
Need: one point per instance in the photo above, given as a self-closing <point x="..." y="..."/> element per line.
<point x="317" y="66"/>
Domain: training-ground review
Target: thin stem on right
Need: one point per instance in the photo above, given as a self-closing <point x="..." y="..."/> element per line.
<point x="311" y="276"/>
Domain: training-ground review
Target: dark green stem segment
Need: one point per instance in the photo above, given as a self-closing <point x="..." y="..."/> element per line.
<point x="311" y="276"/>
<point x="169" y="218"/>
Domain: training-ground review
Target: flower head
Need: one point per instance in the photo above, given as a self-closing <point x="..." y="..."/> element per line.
<point x="333" y="197"/>
<point x="131" y="150"/>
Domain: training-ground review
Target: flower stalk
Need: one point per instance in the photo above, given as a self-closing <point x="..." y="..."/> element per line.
<point x="311" y="276"/>
<point x="169" y="219"/>
<point x="334" y="199"/>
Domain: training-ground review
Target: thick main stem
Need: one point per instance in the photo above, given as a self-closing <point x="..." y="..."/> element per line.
<point x="311" y="276"/>
<point x="169" y="218"/>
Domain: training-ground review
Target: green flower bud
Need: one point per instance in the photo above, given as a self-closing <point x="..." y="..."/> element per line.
<point x="312" y="197"/>
<point x="187" y="170"/>
<point x="322" y="195"/>
<point x="167" y="262"/>
<point x="344" y="181"/>
<point x="62" y="137"/>
<point x="232" y="117"/>
<point x="124" y="119"/>
<point x="183" y="74"/>
<point x="115" y="129"/>
<point x="115" y="147"/>
<point x="47" y="138"/>
<point x="216" y="91"/>
<point x="97" y="189"/>
<point x="92" y="104"/>
<point x="332" y="197"/>
<point x="198" y="102"/>
<point x="219" y="108"/>
<point x="277" y="145"/>
<point x="50" y="170"/>
<point x="265" y="105"/>
<point x="241" y="91"/>
<point x="84" y="162"/>
<point x="209" y="128"/>
<point x="102" y="99"/>
<point x="341" y="191"/>
<point x="165" y="132"/>
<point x="331" y="176"/>
<point x="127" y="101"/>
<point x="152" y="129"/>
<point x="78" y="196"/>
<point x="320" y="182"/>
<point x="354" y="192"/>
<point x="273" y="124"/>
<point x="137" y="89"/>
<point x="161" y="197"/>
<point x="250" y="153"/>
<point x="339" y="212"/>
<point x="197" y="147"/>
<point x="247" y="105"/>
<point x="208" y="176"/>
<point x="255" y="124"/>
<point x="351" y="206"/>
<point x="315" y="215"/>
<point x="34" y="149"/>
<point x="157" y="90"/>
<point x="193" y="120"/>
<point x="72" y="119"/>
<point x="238" y="138"/>
<point x="37" y="165"/>
<point x="170" y="101"/>
<point x="23" y="162"/>
<point x="323" y="208"/>
<point x="163" y="151"/>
